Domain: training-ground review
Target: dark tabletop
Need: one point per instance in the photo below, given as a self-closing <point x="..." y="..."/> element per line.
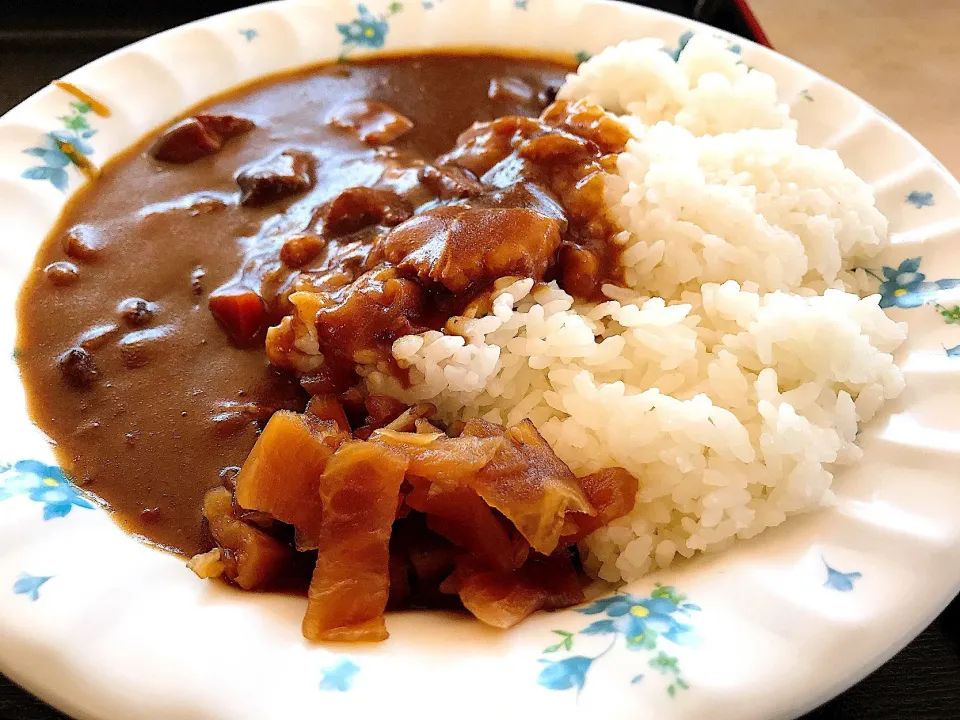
<point x="41" y="40"/>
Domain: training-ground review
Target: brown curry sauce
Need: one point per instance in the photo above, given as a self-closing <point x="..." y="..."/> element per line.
<point x="128" y="274"/>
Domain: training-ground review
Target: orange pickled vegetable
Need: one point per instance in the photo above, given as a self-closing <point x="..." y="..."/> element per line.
<point x="281" y="474"/>
<point x="528" y="483"/>
<point x="359" y="490"/>
<point x="438" y="458"/>
<point x="502" y="599"/>
<point x="328" y="407"/>
<point x="251" y="558"/>
<point x="430" y="558"/>
<point x="381" y="410"/>
<point x="612" y="492"/>
<point x="458" y="514"/>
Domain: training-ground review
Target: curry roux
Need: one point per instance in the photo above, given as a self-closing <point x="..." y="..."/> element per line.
<point x="149" y="399"/>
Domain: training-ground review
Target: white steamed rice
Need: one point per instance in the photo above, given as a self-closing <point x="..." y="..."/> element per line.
<point x="733" y="373"/>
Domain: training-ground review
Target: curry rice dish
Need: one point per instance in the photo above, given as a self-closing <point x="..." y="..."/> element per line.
<point x="363" y="330"/>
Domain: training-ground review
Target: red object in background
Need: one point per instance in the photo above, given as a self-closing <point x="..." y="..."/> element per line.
<point x="734" y="16"/>
<point x="759" y="35"/>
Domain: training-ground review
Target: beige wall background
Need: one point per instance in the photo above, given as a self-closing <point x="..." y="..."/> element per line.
<point x="903" y="56"/>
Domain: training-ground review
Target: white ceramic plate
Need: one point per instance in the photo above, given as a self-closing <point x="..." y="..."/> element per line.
<point x="104" y="627"/>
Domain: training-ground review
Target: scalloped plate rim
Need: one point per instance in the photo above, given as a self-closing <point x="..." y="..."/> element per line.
<point x="63" y="701"/>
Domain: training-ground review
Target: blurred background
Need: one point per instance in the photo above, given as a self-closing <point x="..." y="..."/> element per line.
<point x="900" y="55"/>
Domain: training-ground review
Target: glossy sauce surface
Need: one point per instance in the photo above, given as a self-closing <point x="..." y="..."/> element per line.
<point x="160" y="403"/>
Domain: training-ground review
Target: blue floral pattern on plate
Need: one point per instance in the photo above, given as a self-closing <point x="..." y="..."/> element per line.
<point x="61" y="148"/>
<point x="840" y="581"/>
<point x="685" y="38"/>
<point x="249" y="34"/>
<point x="41" y="483"/>
<point x="681" y="44"/>
<point x="29" y="585"/>
<point x="642" y="622"/>
<point x="366" y="30"/>
<point x="906" y="287"/>
<point x="339" y="677"/>
<point x="921" y="199"/>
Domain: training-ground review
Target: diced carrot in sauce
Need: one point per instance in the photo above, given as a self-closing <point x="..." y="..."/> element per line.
<point x="281" y="475"/>
<point x="328" y="407"/>
<point x="252" y="558"/>
<point x="502" y="599"/>
<point x="527" y="482"/>
<point x="439" y="458"/>
<point x="612" y="492"/>
<point x="458" y="514"/>
<point x="351" y="583"/>
<point x="240" y="311"/>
